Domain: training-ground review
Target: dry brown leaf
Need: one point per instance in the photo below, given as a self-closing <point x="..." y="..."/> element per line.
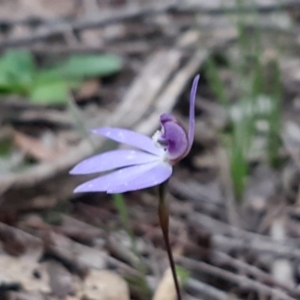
<point x="88" y="89"/>
<point x="37" y="148"/>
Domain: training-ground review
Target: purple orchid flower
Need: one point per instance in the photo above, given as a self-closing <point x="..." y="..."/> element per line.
<point x="149" y="165"/>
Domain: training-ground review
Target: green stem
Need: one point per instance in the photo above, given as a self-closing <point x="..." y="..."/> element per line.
<point x="163" y="215"/>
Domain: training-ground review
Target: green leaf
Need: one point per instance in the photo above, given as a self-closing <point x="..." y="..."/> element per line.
<point x="215" y="82"/>
<point x="51" y="88"/>
<point x="50" y="93"/>
<point x="45" y="76"/>
<point x="17" y="69"/>
<point x="8" y="159"/>
<point x="80" y="66"/>
<point x="183" y="274"/>
<point x="5" y="147"/>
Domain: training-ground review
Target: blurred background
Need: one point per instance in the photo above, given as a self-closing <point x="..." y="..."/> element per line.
<point x="69" y="66"/>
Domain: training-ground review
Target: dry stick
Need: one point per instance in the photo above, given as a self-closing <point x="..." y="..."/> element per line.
<point x="163" y="215"/>
<point x="122" y="48"/>
<point x="95" y="22"/>
<point x="130" y="12"/>
<point x="258" y="7"/>
<point x="208" y="290"/>
<point x="221" y="258"/>
<point x="242" y="281"/>
<point x="260" y="246"/>
<point x="244" y="239"/>
<point x="123" y="14"/>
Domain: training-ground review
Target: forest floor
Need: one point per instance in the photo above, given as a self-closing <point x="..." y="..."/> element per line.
<point x="231" y="241"/>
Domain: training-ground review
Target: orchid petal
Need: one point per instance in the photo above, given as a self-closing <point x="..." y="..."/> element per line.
<point x="116" y="178"/>
<point x="131" y="138"/>
<point x="192" y="112"/>
<point x="175" y="137"/>
<point x="156" y="175"/>
<point x="113" y="160"/>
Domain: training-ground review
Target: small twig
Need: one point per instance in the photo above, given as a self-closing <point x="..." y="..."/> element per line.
<point x="259" y="7"/>
<point x="242" y="281"/>
<point x="221" y="228"/>
<point x="221" y="258"/>
<point x="122" y="48"/>
<point x="131" y="12"/>
<point x="259" y="246"/>
<point x="243" y="240"/>
<point x="200" y="7"/>
<point x="96" y="21"/>
<point x="208" y="290"/>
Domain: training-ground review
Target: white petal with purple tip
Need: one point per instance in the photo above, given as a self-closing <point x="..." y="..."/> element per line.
<point x="121" y="177"/>
<point x="113" y="160"/>
<point x="131" y="138"/>
<point x="152" y="177"/>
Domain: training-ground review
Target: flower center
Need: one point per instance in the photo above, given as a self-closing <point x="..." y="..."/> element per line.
<point x="172" y="138"/>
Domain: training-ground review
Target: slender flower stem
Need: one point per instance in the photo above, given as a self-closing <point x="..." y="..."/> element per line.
<point x="163" y="215"/>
